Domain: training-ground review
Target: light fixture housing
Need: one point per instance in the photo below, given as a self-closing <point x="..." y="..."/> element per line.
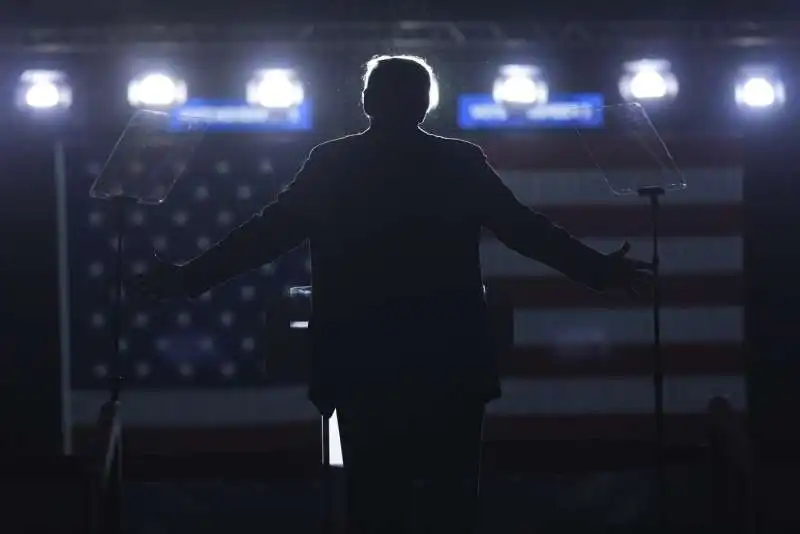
<point x="648" y="80"/>
<point x="43" y="90"/>
<point x="520" y="85"/>
<point x="156" y="90"/>
<point x="275" y="89"/>
<point x="759" y="88"/>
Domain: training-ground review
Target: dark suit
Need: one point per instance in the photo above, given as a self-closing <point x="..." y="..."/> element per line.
<point x="401" y="341"/>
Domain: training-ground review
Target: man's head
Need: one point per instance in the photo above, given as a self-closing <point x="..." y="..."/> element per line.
<point x="397" y="89"/>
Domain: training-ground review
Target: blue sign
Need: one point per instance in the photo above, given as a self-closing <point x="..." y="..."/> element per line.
<point x="237" y="117"/>
<point x="582" y="110"/>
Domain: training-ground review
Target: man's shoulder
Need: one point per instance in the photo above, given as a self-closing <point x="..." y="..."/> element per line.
<point x="337" y="145"/>
<point x="455" y="145"/>
<point x="354" y="143"/>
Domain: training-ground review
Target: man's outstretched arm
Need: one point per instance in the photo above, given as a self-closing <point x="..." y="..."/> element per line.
<point x="530" y="233"/>
<point x="278" y="228"/>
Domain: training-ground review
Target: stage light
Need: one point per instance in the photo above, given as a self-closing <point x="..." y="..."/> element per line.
<point x="156" y="90"/>
<point x="275" y="89"/>
<point x="519" y="85"/>
<point x="759" y="88"/>
<point x="648" y="80"/>
<point x="43" y="90"/>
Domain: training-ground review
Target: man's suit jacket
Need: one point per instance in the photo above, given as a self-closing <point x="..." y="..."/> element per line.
<point x="394" y="221"/>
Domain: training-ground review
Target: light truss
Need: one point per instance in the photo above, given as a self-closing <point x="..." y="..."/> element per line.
<point x="409" y="35"/>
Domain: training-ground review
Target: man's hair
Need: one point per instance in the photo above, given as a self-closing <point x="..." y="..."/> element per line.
<point x="398" y="88"/>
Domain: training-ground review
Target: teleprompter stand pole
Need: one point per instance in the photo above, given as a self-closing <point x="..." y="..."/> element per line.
<point x="654" y="194"/>
<point x="109" y="423"/>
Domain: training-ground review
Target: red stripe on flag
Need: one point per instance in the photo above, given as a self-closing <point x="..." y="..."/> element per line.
<point x="524" y="458"/>
<point x="560" y="292"/>
<point x="636" y="221"/>
<point x="680" y="429"/>
<point x="569" y="151"/>
<point x="633" y="360"/>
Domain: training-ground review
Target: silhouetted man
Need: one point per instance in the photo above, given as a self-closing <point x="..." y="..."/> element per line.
<point x="401" y="342"/>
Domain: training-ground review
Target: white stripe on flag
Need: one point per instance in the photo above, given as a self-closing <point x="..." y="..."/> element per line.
<point x="578" y="396"/>
<point x="588" y="396"/>
<point x="626" y="326"/>
<point x="589" y="187"/>
<point x="679" y="255"/>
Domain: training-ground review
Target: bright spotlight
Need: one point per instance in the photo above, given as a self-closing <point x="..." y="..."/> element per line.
<point x="156" y="90"/>
<point x="43" y="90"/>
<point x="759" y="90"/>
<point x="519" y="85"/>
<point x="648" y="80"/>
<point x="275" y="89"/>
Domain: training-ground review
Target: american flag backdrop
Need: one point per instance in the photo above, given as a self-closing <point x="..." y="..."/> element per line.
<point x="202" y="376"/>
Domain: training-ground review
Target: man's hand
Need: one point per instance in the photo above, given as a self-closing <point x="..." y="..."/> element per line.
<point x="164" y="281"/>
<point x="629" y="276"/>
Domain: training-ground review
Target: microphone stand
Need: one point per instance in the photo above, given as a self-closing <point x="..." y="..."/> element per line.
<point x="327" y="508"/>
<point x="654" y="194"/>
<point x="327" y="477"/>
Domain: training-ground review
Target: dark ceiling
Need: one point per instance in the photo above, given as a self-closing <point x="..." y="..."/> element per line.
<point x="103" y="12"/>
